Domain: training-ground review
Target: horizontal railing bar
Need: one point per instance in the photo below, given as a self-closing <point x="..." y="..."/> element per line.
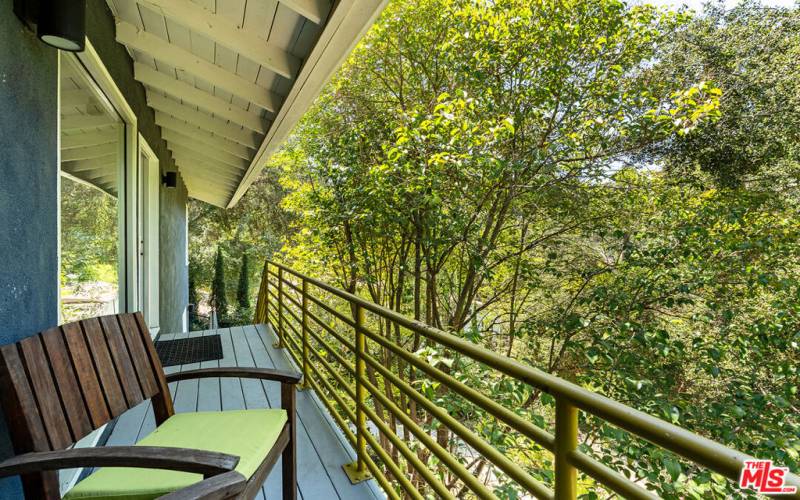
<point x="698" y="449"/>
<point x="540" y="436"/>
<point x="456" y="467"/>
<point x="323" y="305"/>
<point x="609" y="477"/>
<point x="331" y="331"/>
<point x="341" y="317"/>
<point x="376" y="393"/>
<point x="376" y="472"/>
<point x="410" y="455"/>
<point x="495" y="457"/>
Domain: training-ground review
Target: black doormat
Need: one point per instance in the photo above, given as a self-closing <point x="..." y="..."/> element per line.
<point x="192" y="350"/>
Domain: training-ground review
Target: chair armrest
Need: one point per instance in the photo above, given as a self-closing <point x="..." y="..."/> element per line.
<point x="238" y="372"/>
<point x="224" y="486"/>
<point x="207" y="463"/>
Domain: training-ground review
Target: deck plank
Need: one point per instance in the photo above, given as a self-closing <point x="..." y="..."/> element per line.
<point x="321" y="451"/>
<point x="331" y="451"/>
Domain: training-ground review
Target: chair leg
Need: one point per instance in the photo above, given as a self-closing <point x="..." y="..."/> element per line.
<point x="289" y="465"/>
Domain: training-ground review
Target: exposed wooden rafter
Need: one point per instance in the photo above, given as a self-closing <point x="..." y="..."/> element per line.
<point x="233" y="132"/>
<point x="89" y="139"/>
<point x="77" y="122"/>
<point x="90" y="152"/>
<point x="76" y="97"/>
<point x="167" y="122"/>
<point x="226" y="33"/>
<point x="315" y="11"/>
<point x="109" y="162"/>
<point x="183" y="60"/>
<point x="213" y="104"/>
<point x="176" y="140"/>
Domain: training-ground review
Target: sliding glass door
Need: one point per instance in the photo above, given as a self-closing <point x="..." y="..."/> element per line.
<point x="92" y="175"/>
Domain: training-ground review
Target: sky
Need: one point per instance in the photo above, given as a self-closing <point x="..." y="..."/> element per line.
<point x="698" y="4"/>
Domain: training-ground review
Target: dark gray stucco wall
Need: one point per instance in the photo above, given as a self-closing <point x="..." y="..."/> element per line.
<point x="29" y="184"/>
<point x="174" y="273"/>
<point x="174" y="269"/>
<point x="28" y="191"/>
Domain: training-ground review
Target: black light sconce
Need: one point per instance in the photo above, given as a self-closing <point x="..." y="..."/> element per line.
<point x="58" y="23"/>
<point x="170" y="179"/>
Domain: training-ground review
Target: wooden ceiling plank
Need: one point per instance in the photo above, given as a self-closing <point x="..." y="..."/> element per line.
<point x="183" y="60"/>
<point x="77" y="122"/>
<point x="88" y="139"/>
<point x="226" y="32"/>
<point x="185" y="113"/>
<point x="167" y="122"/>
<point x="224" y="184"/>
<point x="76" y="97"/>
<point x="155" y="79"/>
<point x="207" y="151"/>
<point x="94" y="163"/>
<point x="210" y="165"/>
<point x="315" y="11"/>
<point x="90" y="152"/>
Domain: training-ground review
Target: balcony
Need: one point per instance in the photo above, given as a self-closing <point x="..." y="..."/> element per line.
<point x="321" y="448"/>
<point x="384" y="411"/>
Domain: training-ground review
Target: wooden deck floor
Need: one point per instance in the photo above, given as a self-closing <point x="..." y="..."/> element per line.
<point x="322" y="450"/>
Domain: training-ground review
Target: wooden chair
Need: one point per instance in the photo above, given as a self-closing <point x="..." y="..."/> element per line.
<point x="60" y="385"/>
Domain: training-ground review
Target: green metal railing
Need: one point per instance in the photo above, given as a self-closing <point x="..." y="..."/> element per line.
<point x="326" y="331"/>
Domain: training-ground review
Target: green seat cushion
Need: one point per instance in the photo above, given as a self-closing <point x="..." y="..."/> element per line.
<point x="248" y="434"/>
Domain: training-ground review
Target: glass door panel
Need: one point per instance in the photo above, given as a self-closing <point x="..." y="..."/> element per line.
<point x="92" y="177"/>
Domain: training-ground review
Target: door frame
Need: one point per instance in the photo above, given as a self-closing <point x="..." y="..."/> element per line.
<point x="149" y="197"/>
<point x="90" y="60"/>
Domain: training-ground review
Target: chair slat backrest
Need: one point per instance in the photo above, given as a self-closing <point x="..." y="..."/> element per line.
<point x="61" y="384"/>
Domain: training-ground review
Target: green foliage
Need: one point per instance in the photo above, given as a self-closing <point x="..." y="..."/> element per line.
<point x="570" y="184"/>
<point x="219" y="299"/>
<point x="243" y="290"/>
<point x="89" y="233"/>
<point x="751" y="53"/>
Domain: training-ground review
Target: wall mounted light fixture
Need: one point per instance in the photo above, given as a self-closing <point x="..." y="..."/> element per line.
<point x="58" y="23"/>
<point x="170" y="179"/>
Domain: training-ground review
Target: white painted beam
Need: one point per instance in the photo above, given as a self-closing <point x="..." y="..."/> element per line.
<point x="205" y="184"/>
<point x="180" y="111"/>
<point x="217" y="201"/>
<point x="345" y="26"/>
<point x="227" y="33"/>
<point x="76" y="97"/>
<point x="175" y="139"/>
<point x="76" y="122"/>
<point x="210" y="171"/>
<point x="90" y="152"/>
<point x="315" y="11"/>
<point x="213" y="104"/>
<point x="93" y="138"/>
<point x="167" y="122"/>
<point x="183" y="60"/>
<point x="207" y="165"/>
<point x="190" y="170"/>
<point x="98" y="162"/>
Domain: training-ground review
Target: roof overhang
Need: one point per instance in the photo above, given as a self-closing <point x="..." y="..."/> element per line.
<point x="347" y="24"/>
<point x="228" y="81"/>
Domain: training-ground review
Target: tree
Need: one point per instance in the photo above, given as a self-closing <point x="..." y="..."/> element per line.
<point x="243" y="290"/>
<point x="219" y="301"/>
<point x="751" y="52"/>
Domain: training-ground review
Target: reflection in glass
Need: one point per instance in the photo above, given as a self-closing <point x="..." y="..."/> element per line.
<point x="92" y="152"/>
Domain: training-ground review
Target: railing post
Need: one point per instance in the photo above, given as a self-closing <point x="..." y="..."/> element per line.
<point x="305" y="384"/>
<point x="280" y="342"/>
<point x="566" y="442"/>
<point x="357" y="471"/>
<point x="265" y="292"/>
